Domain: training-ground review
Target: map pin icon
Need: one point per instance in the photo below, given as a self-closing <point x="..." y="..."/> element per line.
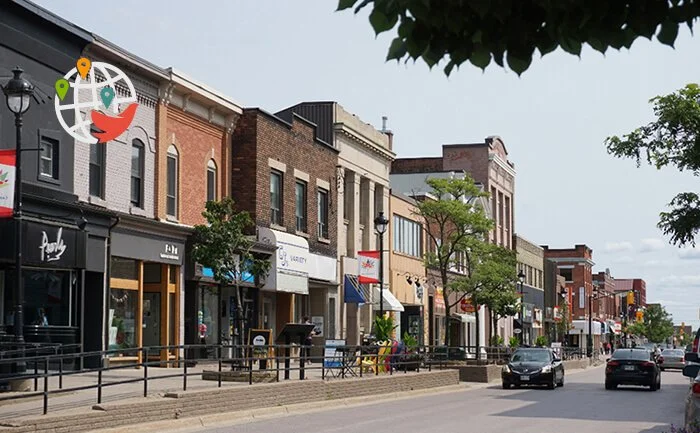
<point x="83" y="66"/>
<point x="62" y="87"/>
<point x="107" y="94"/>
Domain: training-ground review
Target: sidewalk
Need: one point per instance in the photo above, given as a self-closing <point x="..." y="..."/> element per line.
<point x="22" y="407"/>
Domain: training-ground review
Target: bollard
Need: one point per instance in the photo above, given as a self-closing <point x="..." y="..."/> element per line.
<point x="184" y="378"/>
<point x="145" y="372"/>
<point x="99" y="386"/>
<point x="46" y="385"/>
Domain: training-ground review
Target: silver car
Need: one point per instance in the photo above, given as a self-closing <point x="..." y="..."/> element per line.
<point x="672" y="358"/>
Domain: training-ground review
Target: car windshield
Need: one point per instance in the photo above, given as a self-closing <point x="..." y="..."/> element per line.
<point x="641" y="355"/>
<point x="673" y="352"/>
<point x="530" y="356"/>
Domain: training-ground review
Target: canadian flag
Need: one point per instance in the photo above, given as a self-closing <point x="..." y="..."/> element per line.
<point x="369" y="267"/>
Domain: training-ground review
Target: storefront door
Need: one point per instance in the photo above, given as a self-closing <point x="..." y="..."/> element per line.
<point x="151" y="319"/>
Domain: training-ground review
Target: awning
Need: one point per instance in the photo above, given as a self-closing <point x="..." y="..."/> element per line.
<point x="353" y="292"/>
<point x="465" y="318"/>
<point x="582" y="325"/>
<point x="290" y="266"/>
<point x="390" y="301"/>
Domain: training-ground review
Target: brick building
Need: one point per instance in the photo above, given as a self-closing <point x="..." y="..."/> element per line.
<point x="635" y="285"/>
<point x="283" y="175"/>
<point x="605" y="308"/>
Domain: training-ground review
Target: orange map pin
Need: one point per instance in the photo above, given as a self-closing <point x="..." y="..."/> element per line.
<point x="83" y="65"/>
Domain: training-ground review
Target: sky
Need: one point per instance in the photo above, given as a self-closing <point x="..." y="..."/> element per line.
<point x="553" y="119"/>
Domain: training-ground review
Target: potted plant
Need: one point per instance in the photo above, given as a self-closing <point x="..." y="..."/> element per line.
<point x="410" y="360"/>
<point x="383" y="328"/>
<point x="514" y="342"/>
<point x="541" y="341"/>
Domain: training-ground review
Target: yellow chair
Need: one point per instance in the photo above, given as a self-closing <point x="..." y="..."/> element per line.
<point x="378" y="361"/>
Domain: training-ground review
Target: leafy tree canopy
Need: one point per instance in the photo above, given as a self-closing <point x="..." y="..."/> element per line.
<point x="672" y="139"/>
<point x="658" y="324"/>
<point x="510" y="31"/>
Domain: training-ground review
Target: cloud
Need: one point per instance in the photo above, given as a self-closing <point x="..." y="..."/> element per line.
<point x="651" y="244"/>
<point x="680" y="281"/>
<point x="617" y="247"/>
<point x="655" y="263"/>
<point x="689" y="254"/>
<point x="622" y="259"/>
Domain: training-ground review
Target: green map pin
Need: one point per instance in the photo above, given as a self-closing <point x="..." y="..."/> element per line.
<point x="62" y="85"/>
<point x="107" y="94"/>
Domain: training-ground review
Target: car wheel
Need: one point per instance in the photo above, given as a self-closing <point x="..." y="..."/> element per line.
<point x="653" y="386"/>
<point x="553" y="384"/>
<point x="561" y="382"/>
<point x="505" y="385"/>
<point x="609" y="385"/>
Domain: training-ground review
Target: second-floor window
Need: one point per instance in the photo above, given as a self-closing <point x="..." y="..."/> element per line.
<point x="276" y="197"/>
<point x="211" y="180"/>
<point x="407" y="236"/>
<point x="172" y="187"/>
<point x="97" y="169"/>
<point x="300" y="193"/>
<point x="48" y="158"/>
<point x="322" y="213"/>
<point x="137" y="163"/>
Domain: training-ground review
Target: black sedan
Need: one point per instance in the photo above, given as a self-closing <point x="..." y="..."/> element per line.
<point x="533" y="366"/>
<point x="632" y="367"/>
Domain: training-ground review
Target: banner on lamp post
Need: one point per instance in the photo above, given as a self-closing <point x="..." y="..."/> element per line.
<point x="369" y="267"/>
<point x="7" y="183"/>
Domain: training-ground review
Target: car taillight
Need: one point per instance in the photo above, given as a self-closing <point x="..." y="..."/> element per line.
<point x="696" y="388"/>
<point x="695" y="344"/>
<point x="613" y="363"/>
<point x="647" y="364"/>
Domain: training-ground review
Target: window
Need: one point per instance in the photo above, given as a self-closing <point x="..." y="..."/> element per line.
<point x="211" y="180"/>
<point x="407" y="236"/>
<point x="137" y="169"/>
<point x="48" y="158"/>
<point x="322" y="213"/>
<point x="97" y="169"/>
<point x="172" y="167"/>
<point x="300" y="193"/>
<point x="276" y="197"/>
<point x="567" y="273"/>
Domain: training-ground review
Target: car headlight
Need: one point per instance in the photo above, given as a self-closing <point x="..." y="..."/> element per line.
<point x="506" y="369"/>
<point x="547" y="369"/>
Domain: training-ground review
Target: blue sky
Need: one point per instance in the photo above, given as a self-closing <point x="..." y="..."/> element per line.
<point x="553" y="119"/>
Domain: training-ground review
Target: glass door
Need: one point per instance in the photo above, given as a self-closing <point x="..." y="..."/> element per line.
<point x="151" y="319"/>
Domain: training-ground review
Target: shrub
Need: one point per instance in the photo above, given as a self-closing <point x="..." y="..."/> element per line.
<point x="541" y="341"/>
<point x="514" y="341"/>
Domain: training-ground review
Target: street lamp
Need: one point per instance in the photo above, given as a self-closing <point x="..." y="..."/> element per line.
<point x="380" y="225"/>
<point x="521" y="279"/>
<point x="18" y="92"/>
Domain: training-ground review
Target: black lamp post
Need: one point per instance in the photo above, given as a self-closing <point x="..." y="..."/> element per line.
<point x="18" y="93"/>
<point x="380" y="225"/>
<point x="521" y="280"/>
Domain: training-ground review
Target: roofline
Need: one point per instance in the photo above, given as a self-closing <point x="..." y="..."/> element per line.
<point x="54" y="19"/>
<point x="129" y="57"/>
<point x="517" y="235"/>
<point x="404" y="197"/>
<point x="183" y="80"/>
<point x="302" y="119"/>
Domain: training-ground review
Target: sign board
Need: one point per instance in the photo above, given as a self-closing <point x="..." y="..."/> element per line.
<point x="318" y="323"/>
<point x="556" y="348"/>
<point x="466" y="305"/>
<point x="517" y="331"/>
<point x="260" y="339"/>
<point x="332" y="358"/>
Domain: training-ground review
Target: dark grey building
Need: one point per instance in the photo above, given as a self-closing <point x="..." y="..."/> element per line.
<point x="65" y="242"/>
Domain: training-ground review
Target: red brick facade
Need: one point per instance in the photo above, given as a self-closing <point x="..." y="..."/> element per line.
<point x="577" y="261"/>
<point x="262" y="142"/>
<point x="606" y="307"/>
<point x="197" y="142"/>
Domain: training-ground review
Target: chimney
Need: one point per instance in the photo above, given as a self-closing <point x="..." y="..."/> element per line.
<point x="387" y="132"/>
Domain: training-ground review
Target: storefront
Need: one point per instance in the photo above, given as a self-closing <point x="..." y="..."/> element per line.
<point x="323" y="299"/>
<point x="285" y="294"/>
<point x="144" y="297"/>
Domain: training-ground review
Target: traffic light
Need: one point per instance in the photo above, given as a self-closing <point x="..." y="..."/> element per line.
<point x="630" y="298"/>
<point x="640" y="315"/>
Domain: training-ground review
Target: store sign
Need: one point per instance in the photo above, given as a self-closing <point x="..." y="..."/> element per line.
<point x="170" y="252"/>
<point x="52" y="251"/>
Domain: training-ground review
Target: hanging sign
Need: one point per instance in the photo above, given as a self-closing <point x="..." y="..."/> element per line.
<point x="7" y="183"/>
<point x="369" y="267"/>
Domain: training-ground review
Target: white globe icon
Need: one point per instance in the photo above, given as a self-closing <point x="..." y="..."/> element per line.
<point x="84" y="97"/>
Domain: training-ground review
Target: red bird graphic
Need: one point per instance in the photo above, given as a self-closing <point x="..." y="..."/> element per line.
<point x="112" y="127"/>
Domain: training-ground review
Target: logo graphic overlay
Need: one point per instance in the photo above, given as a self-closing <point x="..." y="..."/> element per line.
<point x="95" y="92"/>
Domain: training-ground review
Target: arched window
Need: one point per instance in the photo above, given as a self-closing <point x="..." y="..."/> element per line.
<point x="137" y="169"/>
<point x="173" y="187"/>
<point x="211" y="180"/>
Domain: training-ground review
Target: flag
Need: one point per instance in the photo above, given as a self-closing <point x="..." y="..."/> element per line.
<point x="7" y="183"/>
<point x="369" y="267"/>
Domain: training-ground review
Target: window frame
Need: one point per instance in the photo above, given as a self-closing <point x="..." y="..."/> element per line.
<point x="137" y="144"/>
<point x="173" y="155"/>
<point x="211" y="183"/>
<point x="408" y="236"/>
<point x="322" y="212"/>
<point x="302" y="221"/>
<point x="51" y="138"/>
<point x="276" y="213"/>
<point x="102" y="169"/>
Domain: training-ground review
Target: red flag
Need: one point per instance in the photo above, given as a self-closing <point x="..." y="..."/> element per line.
<point x="369" y="267"/>
<point x="7" y="183"/>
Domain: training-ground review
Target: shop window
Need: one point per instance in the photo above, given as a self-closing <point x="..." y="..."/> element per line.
<point x="567" y="273"/>
<point x="137" y="169"/>
<point x="407" y="236"/>
<point x="322" y="213"/>
<point x="276" y="197"/>
<point x="126" y="269"/>
<point x="172" y="181"/>
<point x="48" y="297"/>
<point x="207" y="316"/>
<point x="173" y="274"/>
<point x="300" y="194"/>
<point x="151" y="273"/>
<point x="211" y="180"/>
<point x="97" y="170"/>
<point x="122" y="320"/>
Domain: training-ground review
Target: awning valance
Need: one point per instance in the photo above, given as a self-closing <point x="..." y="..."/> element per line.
<point x="354" y="292"/>
<point x="390" y="301"/>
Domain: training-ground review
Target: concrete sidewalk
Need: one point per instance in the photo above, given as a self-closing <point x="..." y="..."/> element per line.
<point x="67" y="400"/>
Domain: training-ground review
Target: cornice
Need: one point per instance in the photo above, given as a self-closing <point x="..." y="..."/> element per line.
<point x="358" y="138"/>
<point x="504" y="165"/>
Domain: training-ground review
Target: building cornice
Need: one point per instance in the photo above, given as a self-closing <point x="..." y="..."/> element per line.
<point x="571" y="260"/>
<point x="504" y="165"/>
<point x="355" y="136"/>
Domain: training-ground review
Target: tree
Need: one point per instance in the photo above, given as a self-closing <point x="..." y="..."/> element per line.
<point x="672" y="139"/>
<point x="563" y="325"/>
<point x="455" y="227"/>
<point x="658" y="324"/>
<point x="223" y="244"/>
<point x="479" y="30"/>
<point x="636" y="328"/>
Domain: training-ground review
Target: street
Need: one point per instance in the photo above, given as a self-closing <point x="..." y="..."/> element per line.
<point x="582" y="405"/>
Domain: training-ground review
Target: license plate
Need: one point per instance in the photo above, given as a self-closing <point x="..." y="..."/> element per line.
<point x="629" y="367"/>
<point x="525" y="378"/>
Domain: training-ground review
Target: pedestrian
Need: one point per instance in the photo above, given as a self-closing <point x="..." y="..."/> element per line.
<point x="309" y="340"/>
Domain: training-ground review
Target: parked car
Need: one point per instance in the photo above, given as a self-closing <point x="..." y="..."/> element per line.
<point x="692" y="400"/>
<point x="632" y="367"/>
<point x="533" y="366"/>
<point x="671" y="358"/>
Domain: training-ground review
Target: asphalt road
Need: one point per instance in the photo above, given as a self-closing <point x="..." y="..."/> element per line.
<point x="583" y="405"/>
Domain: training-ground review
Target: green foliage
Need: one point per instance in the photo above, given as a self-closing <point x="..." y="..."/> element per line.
<point x="636" y="328"/>
<point x="383" y="328"/>
<point x="672" y="139"/>
<point x="658" y="324"/>
<point x="514" y="341"/>
<point x="493" y="282"/>
<point x="497" y="340"/>
<point x="410" y="341"/>
<point x="541" y="341"/>
<point x="564" y="325"/>
<point x="479" y="31"/>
